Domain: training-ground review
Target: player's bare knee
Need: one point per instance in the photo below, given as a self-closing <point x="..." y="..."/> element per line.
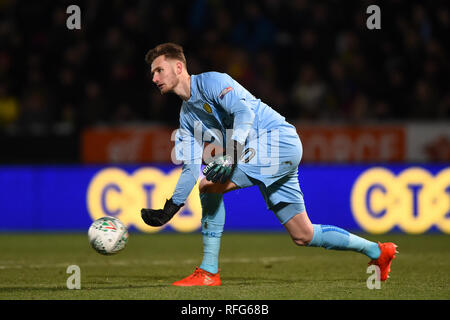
<point x="303" y="239"/>
<point x="300" y="229"/>
<point x="204" y="186"/>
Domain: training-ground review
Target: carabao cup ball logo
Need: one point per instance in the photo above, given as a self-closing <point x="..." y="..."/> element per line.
<point x="114" y="192"/>
<point x="413" y="200"/>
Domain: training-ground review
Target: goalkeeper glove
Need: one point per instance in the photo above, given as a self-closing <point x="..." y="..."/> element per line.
<point x="221" y="168"/>
<point x="157" y="218"/>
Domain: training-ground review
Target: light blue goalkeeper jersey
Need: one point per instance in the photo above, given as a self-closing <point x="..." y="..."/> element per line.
<point x="219" y="107"/>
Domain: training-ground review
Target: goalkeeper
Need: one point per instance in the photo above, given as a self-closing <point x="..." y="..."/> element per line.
<point x="261" y="149"/>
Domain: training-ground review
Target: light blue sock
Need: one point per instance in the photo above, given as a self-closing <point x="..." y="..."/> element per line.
<point x="213" y="221"/>
<point x="332" y="237"/>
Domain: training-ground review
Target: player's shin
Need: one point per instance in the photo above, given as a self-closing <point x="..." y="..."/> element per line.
<point x="213" y="220"/>
<point x="332" y="237"/>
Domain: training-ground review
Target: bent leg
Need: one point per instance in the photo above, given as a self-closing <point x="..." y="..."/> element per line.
<point x="300" y="229"/>
<point x="213" y="221"/>
<point x="332" y="237"/>
<point x="206" y="186"/>
<point x="304" y="233"/>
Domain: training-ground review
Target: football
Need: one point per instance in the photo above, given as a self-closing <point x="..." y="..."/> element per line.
<point x="108" y="235"/>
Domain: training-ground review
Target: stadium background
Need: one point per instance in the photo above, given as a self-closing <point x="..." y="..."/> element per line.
<point x="74" y="103"/>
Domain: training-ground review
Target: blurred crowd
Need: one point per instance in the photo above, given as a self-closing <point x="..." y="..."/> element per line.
<point x="310" y="60"/>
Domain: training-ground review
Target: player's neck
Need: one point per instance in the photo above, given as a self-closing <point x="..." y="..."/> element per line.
<point x="183" y="89"/>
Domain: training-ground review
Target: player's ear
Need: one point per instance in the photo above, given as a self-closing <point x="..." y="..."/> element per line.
<point x="179" y="67"/>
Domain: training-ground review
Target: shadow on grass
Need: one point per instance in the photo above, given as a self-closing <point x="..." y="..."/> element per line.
<point x="86" y="287"/>
<point x="277" y="281"/>
<point x="94" y="282"/>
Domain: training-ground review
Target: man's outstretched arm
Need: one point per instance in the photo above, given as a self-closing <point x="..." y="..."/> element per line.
<point x="185" y="184"/>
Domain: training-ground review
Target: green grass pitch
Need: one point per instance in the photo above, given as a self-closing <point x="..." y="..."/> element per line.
<point x="253" y="266"/>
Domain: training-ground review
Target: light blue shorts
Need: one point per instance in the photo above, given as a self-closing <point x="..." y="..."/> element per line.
<point x="283" y="197"/>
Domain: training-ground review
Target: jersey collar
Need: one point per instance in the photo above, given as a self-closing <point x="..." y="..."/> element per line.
<point x="194" y="89"/>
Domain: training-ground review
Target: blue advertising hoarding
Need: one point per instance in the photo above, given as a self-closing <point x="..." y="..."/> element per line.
<point x="375" y="199"/>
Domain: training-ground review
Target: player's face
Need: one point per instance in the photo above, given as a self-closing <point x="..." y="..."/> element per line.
<point x="164" y="74"/>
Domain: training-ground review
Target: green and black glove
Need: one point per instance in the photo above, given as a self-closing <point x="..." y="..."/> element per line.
<point x="219" y="170"/>
<point x="157" y="218"/>
<point x="222" y="167"/>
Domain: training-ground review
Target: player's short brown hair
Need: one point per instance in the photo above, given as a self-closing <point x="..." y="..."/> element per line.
<point x="169" y="50"/>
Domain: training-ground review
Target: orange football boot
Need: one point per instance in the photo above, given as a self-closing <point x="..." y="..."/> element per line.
<point x="200" y="277"/>
<point x="388" y="251"/>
